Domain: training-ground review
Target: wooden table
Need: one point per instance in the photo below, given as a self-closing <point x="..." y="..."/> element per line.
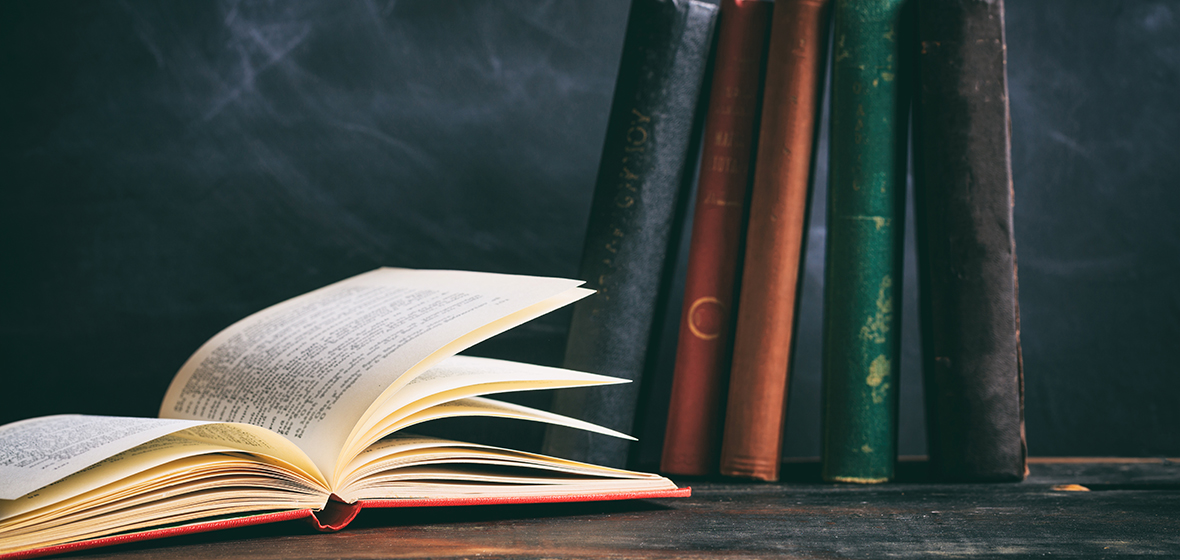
<point x="1131" y="507"/>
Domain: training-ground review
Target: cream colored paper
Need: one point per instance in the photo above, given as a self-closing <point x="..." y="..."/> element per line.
<point x="42" y="450"/>
<point x="459" y="377"/>
<point x="310" y="368"/>
<point x="124" y="467"/>
<point x="395" y="467"/>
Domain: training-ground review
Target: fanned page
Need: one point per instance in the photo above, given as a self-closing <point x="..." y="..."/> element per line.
<point x="459" y="377"/>
<point x="405" y="466"/>
<point x="315" y="368"/>
<point x="409" y="466"/>
<point x="105" y="478"/>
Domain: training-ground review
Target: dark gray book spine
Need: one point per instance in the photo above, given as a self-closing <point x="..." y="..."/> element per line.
<point x="637" y="204"/>
<point x="967" y="251"/>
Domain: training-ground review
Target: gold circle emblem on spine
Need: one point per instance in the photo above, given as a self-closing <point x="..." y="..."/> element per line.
<point x="692" y="317"/>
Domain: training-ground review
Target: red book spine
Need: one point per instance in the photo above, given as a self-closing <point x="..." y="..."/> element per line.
<point x="693" y="437"/>
<point x="756" y="407"/>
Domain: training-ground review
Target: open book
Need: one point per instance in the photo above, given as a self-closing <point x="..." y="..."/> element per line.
<point x="300" y="411"/>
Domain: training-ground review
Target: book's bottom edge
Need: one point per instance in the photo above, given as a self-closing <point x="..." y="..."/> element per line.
<point x="547" y="499"/>
<point x="335" y="516"/>
<point x="858" y="479"/>
<point x="756" y="468"/>
<point x="152" y="534"/>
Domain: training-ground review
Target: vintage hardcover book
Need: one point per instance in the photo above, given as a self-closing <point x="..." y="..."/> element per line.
<point x="866" y="207"/>
<point x="756" y="409"/>
<point x="636" y="210"/>
<point x="692" y="439"/>
<point x="300" y="411"/>
<point x="966" y="247"/>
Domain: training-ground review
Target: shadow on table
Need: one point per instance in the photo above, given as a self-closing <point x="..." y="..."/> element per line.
<point x="389" y="517"/>
<point x="401" y="517"/>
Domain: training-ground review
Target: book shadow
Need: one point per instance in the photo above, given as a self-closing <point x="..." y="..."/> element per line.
<point x="809" y="471"/>
<point x="405" y="517"/>
<point x="379" y="518"/>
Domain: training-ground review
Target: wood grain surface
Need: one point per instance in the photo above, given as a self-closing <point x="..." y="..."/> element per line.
<point x="1130" y="509"/>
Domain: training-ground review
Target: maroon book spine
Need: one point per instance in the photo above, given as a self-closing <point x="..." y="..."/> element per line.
<point x="692" y="440"/>
<point x="774" y="241"/>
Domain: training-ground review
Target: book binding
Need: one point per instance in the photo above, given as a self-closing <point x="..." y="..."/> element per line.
<point x="636" y="210"/>
<point x="865" y="231"/>
<point x="692" y="440"/>
<point x="775" y="240"/>
<point x="966" y="245"/>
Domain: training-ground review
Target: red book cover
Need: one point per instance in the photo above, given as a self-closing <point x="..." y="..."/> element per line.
<point x="756" y="408"/>
<point x="334" y="517"/>
<point x="692" y="440"/>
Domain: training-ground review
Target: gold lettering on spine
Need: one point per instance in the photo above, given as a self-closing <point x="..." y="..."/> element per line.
<point x="636" y="135"/>
<point x="613" y="244"/>
<point x="725" y="164"/>
<point x="713" y="199"/>
<point x="634" y="145"/>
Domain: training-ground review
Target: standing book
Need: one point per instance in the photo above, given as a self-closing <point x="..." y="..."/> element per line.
<point x="966" y="245"/>
<point x="866" y="209"/>
<point x="634" y="216"/>
<point x="692" y="440"/>
<point x="756" y="410"/>
<point x="299" y="412"/>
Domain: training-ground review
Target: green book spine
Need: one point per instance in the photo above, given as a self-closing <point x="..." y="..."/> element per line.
<point x="866" y="208"/>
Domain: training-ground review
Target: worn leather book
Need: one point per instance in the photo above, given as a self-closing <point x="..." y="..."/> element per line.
<point x="966" y="248"/>
<point x="692" y="438"/>
<point x="637" y="206"/>
<point x="300" y="411"/>
<point x="756" y="408"/>
<point x="866" y="206"/>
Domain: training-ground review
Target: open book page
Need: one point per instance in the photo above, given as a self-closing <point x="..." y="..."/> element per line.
<point x="459" y="377"/>
<point x="199" y="471"/>
<point x="478" y="406"/>
<point x="311" y="368"/>
<point x="40" y="451"/>
<point x="166" y="462"/>
<point x="128" y="464"/>
<point x="184" y="490"/>
<point x="409" y="466"/>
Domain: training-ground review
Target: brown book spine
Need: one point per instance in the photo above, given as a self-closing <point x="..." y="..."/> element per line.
<point x="755" y="411"/>
<point x="692" y="440"/>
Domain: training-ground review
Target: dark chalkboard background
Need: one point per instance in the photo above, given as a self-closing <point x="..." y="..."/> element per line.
<point x="168" y="168"/>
